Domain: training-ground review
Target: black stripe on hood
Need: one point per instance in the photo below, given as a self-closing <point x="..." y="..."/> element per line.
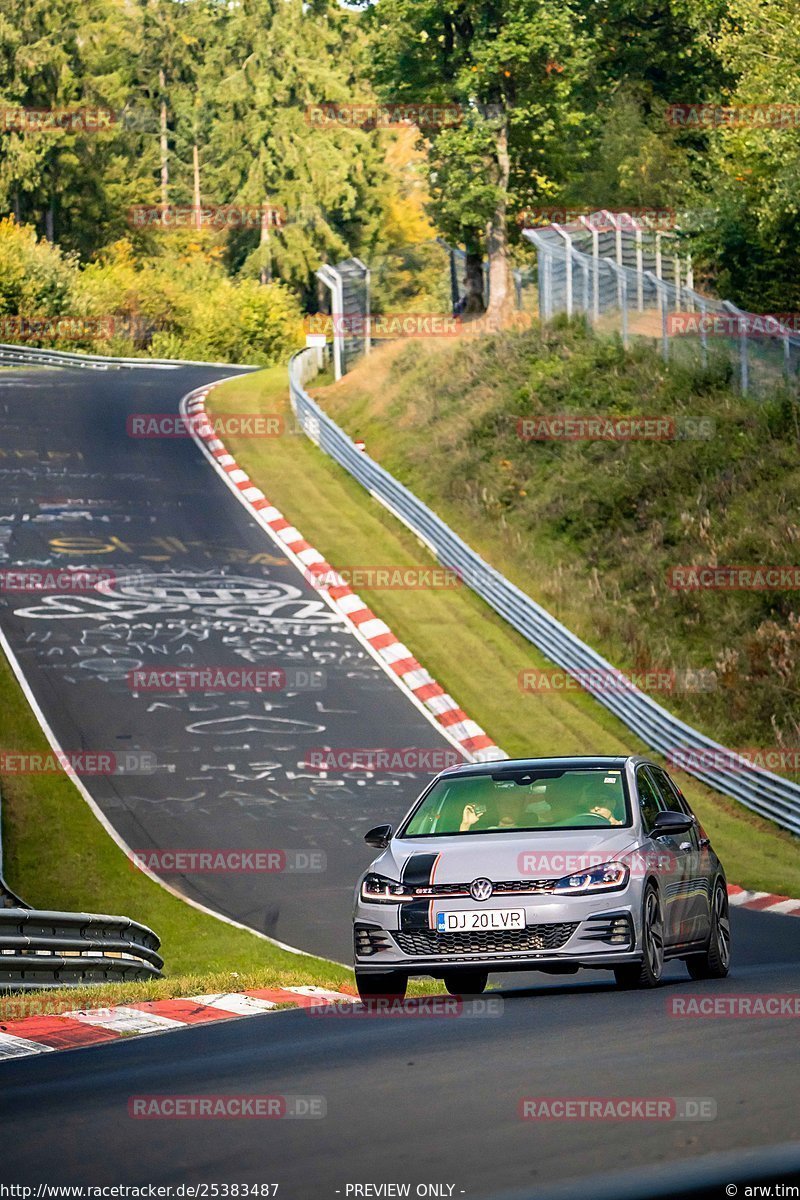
<point x="417" y="870"/>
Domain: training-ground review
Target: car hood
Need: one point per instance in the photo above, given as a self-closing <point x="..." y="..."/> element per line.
<point x="500" y="856"/>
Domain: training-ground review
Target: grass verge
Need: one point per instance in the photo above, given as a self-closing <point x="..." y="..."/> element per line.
<point x="57" y="855"/>
<point x="474" y="654"/>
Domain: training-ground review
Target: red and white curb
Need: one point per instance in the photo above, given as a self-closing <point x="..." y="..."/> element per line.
<point x="784" y="906"/>
<point x="396" y="658"/>
<point x="39" y="1034"/>
<point x="89" y="1027"/>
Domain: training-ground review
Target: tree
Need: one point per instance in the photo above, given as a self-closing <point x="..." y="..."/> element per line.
<point x="514" y="68"/>
<point x="750" y="238"/>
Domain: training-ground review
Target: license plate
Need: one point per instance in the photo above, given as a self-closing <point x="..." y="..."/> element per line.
<point x="469" y="920"/>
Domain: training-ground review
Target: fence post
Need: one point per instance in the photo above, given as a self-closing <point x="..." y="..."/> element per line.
<point x="568" y="243"/>
<point x="744" y="366"/>
<point x="545" y="281"/>
<point x="592" y="227"/>
<point x="639" y="271"/>
<point x="622" y="293"/>
<point x="333" y="282"/>
<point x="662" y="308"/>
<point x="367" y="302"/>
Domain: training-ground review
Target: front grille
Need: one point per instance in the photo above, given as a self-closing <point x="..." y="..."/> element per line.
<point x="509" y="887"/>
<point x="524" y="886"/>
<point x="423" y="942"/>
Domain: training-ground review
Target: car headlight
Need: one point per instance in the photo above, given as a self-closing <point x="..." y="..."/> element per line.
<point x="376" y="888"/>
<point x="607" y="877"/>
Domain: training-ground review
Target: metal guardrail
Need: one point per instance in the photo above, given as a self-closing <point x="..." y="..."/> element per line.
<point x="38" y="356"/>
<point x="763" y="792"/>
<point x="40" y="948"/>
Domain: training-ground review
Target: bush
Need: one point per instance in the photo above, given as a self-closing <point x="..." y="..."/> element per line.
<point x="179" y="303"/>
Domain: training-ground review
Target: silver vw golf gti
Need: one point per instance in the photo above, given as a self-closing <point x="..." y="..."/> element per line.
<point x="545" y="865"/>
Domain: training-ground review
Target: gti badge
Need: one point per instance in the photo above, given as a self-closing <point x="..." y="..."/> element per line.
<point x="481" y="889"/>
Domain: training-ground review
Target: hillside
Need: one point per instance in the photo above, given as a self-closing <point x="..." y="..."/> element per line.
<point x="591" y="529"/>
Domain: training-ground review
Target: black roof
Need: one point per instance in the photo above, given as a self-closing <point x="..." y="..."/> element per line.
<point x="515" y="765"/>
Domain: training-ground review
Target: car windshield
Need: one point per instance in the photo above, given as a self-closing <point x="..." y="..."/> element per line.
<point x="571" y="798"/>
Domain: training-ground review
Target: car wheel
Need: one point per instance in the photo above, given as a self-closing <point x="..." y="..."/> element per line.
<point x="647" y="973"/>
<point x="466" y="983"/>
<point x="716" y="961"/>
<point x="389" y="986"/>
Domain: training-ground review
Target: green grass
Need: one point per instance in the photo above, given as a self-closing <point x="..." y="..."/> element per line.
<point x="57" y="855"/>
<point x="473" y="653"/>
<point x="591" y="529"/>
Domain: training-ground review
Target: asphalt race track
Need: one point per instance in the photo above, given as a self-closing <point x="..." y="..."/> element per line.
<point x="419" y="1100"/>
<point x="425" y="1099"/>
<point x="196" y="583"/>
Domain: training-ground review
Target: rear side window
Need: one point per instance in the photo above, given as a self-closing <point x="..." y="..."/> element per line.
<point x="670" y="793"/>
<point x="648" y="799"/>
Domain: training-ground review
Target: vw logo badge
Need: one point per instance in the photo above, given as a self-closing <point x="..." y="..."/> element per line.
<point x="481" y="889"/>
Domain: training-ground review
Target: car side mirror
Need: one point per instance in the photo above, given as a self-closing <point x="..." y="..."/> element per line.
<point x="379" y="837"/>
<point x="670" y="822"/>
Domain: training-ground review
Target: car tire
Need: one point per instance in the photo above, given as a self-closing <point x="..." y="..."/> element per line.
<point x="466" y="983"/>
<point x="648" y="972"/>
<point x="716" y="961"/>
<point x="389" y="986"/>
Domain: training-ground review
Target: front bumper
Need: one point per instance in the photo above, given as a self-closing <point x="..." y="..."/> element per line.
<point x="562" y="933"/>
